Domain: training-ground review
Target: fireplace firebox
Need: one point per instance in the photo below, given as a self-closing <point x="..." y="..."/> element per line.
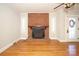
<point x="38" y="32"/>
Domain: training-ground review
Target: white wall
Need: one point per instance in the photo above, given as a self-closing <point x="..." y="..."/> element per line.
<point x="9" y="26"/>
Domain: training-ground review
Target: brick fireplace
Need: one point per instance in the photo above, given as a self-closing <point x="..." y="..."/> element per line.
<point x="38" y="25"/>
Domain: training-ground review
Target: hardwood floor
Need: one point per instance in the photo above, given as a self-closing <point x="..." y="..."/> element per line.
<point x="42" y="48"/>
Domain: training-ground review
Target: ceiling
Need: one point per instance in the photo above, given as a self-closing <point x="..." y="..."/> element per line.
<point x="33" y="7"/>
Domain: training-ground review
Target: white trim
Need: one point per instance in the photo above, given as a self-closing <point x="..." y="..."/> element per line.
<point x="7" y="46"/>
<point x="23" y="38"/>
<point x="69" y="40"/>
<point x="66" y="40"/>
<point x="53" y="38"/>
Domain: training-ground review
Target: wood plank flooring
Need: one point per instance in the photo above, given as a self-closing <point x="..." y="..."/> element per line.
<point x="42" y="47"/>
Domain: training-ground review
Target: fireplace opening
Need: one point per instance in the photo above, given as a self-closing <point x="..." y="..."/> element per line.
<point x="38" y="32"/>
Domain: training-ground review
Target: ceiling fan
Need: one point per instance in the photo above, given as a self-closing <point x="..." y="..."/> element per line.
<point x="66" y="5"/>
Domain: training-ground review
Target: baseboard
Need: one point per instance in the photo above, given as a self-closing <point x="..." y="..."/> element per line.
<point x="53" y="38"/>
<point x="7" y="46"/>
<point x="66" y="40"/>
<point x="69" y="40"/>
<point x="22" y="38"/>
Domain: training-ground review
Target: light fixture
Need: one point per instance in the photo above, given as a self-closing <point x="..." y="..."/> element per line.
<point x="68" y="5"/>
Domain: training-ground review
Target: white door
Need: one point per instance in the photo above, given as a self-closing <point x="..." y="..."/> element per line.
<point x="72" y="28"/>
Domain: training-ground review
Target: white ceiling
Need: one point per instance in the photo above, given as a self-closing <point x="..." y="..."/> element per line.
<point x="31" y="7"/>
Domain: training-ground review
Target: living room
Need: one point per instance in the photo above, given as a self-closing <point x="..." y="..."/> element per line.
<point x="43" y="29"/>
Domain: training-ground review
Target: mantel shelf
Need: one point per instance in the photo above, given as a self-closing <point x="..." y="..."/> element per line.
<point x="39" y="26"/>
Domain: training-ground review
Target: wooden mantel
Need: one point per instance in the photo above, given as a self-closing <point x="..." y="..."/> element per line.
<point x="38" y="26"/>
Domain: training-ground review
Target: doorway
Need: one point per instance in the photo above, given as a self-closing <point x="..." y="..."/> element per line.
<point x="72" y="27"/>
